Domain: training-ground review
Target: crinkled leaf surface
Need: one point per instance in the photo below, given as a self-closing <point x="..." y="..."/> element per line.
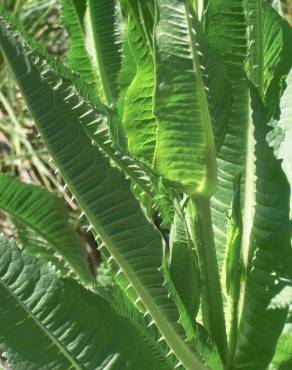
<point x="185" y="149"/>
<point x="53" y="323"/>
<point x="270" y="254"/>
<point x="226" y="32"/>
<point x="139" y="120"/>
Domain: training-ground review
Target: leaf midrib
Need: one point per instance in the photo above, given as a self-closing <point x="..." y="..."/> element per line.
<point x="211" y="168"/>
<point x="172" y="338"/>
<point x="38" y="231"/>
<point x="61" y="348"/>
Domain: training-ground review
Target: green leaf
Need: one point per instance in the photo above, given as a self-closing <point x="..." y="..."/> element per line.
<point x="104" y="45"/>
<point x="139" y="120"/>
<point x="101" y="190"/>
<point x="38" y="246"/>
<point x="185" y="88"/>
<point x="193" y="328"/>
<point x="282" y="359"/>
<point x="277" y="5"/>
<point x="270" y="55"/>
<point x="226" y="32"/>
<point x="150" y="334"/>
<point x="270" y="255"/>
<point x="126" y="75"/>
<point x="69" y="326"/>
<point x="183" y="266"/>
<point x="280" y="138"/>
<point x="233" y="250"/>
<point x="211" y="302"/>
<point x="281" y="71"/>
<point x="233" y="267"/>
<point x="73" y="12"/>
<point x="47" y="216"/>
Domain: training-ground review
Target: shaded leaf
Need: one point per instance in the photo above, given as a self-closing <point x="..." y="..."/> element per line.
<point x="47" y="216"/>
<point x="270" y="255"/>
<point x="68" y="325"/>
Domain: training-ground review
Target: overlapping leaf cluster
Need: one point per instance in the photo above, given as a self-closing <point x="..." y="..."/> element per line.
<point x="168" y="132"/>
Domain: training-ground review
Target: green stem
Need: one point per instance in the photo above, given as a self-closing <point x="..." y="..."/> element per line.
<point x="233" y="332"/>
<point x="212" y="303"/>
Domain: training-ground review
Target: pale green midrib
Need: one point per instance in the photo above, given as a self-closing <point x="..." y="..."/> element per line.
<point x="258" y="78"/>
<point x="210" y="180"/>
<point x="109" y="99"/>
<point x="250" y="176"/>
<point x="188" y="358"/>
<point x="46" y="237"/>
<point x="61" y="348"/>
<point x="248" y="212"/>
<point x="158" y="351"/>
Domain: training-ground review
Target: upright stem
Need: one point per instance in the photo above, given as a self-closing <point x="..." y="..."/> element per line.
<point x="212" y="303"/>
<point x="233" y="332"/>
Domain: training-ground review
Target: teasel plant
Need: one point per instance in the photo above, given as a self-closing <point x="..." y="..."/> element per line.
<point x="169" y="123"/>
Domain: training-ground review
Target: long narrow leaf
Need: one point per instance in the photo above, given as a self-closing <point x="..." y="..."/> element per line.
<point x="270" y="55"/>
<point x="104" y="33"/>
<point x="46" y="215"/>
<point x="226" y="31"/>
<point x="185" y="149"/>
<point x="139" y="120"/>
<point x="270" y="255"/>
<point x="73" y="13"/>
